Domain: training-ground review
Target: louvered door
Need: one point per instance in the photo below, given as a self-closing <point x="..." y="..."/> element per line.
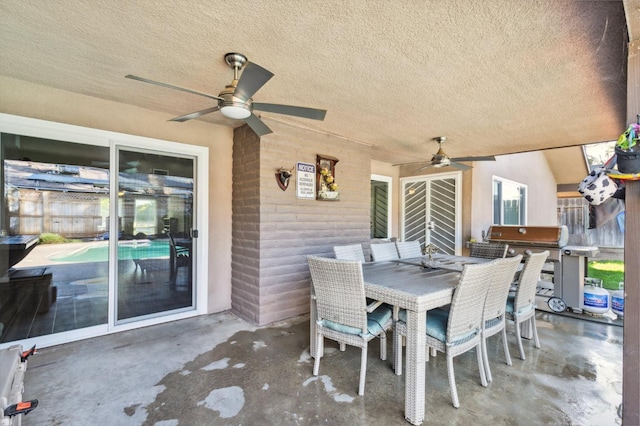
<point x="435" y="200"/>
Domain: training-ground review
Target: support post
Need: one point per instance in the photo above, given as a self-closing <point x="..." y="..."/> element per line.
<point x="631" y="344"/>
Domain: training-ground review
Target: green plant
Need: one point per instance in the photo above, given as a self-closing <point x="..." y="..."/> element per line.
<point x="49" y="238"/>
<point x="629" y="138"/>
<point x="611" y="272"/>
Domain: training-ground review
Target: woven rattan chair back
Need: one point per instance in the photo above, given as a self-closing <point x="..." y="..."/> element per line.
<point x="467" y="304"/>
<point x="464" y="324"/>
<point x="494" y="313"/>
<point x="501" y="280"/>
<point x="341" y="311"/>
<point x="524" y="302"/>
<point x="384" y="251"/>
<point x="529" y="277"/>
<point x="339" y="291"/>
<point x="349" y="252"/>
<point x="488" y="250"/>
<point x="409" y="249"/>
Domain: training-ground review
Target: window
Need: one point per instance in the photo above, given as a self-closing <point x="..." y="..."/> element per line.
<point x="598" y="153"/>
<point x="509" y="202"/>
<point x="145" y="214"/>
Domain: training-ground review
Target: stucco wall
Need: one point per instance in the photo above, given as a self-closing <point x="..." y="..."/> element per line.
<point x="530" y="169"/>
<point x="31" y="100"/>
<point x="289" y="228"/>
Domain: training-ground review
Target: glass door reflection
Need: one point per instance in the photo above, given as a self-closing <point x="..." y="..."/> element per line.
<point x="155" y="220"/>
<point x="54" y="215"/>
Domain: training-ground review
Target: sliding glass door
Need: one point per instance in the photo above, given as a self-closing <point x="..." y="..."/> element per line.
<point x="96" y="235"/>
<point x="54" y="219"/>
<point x="154" y="241"/>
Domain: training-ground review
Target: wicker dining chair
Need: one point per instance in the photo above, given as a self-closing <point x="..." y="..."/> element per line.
<point x="342" y="313"/>
<point x="349" y="252"/>
<point x="409" y="249"/>
<point x="494" y="312"/>
<point x="488" y="250"/>
<point x="384" y="251"/>
<point x="459" y="329"/>
<point x="521" y="305"/>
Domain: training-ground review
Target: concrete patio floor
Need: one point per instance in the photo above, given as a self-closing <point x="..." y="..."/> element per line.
<point x="220" y="370"/>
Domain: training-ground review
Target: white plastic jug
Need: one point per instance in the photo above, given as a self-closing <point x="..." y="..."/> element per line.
<point x="617" y="300"/>
<point x="596" y="299"/>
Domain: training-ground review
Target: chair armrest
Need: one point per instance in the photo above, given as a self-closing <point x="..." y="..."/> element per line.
<point x="373" y="306"/>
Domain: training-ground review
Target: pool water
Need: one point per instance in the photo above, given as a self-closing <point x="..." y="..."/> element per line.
<point x="130" y="249"/>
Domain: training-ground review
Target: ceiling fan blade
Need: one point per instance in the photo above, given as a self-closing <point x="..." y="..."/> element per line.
<point x="170" y="86"/>
<point x="423" y="167"/>
<point x="487" y="158"/>
<point x="253" y="78"/>
<point x="257" y="125"/>
<point x="312" y="113"/>
<point x="196" y="114"/>
<point x="459" y="166"/>
<point x="413" y="162"/>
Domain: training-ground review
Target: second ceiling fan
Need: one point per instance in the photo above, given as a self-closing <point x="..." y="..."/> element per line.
<point x="441" y="159"/>
<point x="235" y="102"/>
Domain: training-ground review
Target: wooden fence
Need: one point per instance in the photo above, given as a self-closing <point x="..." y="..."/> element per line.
<point x="70" y="214"/>
<point x="574" y="213"/>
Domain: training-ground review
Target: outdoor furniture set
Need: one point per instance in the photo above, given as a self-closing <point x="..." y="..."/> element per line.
<point x="471" y="292"/>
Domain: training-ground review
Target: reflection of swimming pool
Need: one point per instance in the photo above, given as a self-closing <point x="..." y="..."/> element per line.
<point x="130" y="249"/>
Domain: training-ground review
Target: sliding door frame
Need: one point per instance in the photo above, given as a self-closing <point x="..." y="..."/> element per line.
<point x="87" y="136"/>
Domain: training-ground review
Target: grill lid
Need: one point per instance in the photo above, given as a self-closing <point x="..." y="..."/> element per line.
<point x="538" y="236"/>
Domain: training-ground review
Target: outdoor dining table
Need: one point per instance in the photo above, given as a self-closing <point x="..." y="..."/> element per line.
<point x="406" y="284"/>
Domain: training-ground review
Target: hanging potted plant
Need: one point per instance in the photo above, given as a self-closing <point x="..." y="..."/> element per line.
<point x="628" y="150"/>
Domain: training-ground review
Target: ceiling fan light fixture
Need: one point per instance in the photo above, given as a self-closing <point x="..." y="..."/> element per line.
<point x="440" y="160"/>
<point x="442" y="163"/>
<point x="235" y="112"/>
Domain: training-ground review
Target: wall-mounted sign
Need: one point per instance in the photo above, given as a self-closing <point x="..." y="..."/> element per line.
<point x="306" y="181"/>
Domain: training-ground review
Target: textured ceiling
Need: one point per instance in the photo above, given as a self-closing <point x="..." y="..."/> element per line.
<point x="495" y="77"/>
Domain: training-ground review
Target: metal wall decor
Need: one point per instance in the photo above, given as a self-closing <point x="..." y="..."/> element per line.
<point x="283" y="176"/>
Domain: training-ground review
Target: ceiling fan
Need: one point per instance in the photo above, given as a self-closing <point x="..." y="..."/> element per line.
<point x="441" y="159"/>
<point x="235" y="102"/>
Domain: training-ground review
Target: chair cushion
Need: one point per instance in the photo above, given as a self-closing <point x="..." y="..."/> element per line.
<point x="375" y="322"/>
<point x="437" y="320"/>
<point x="509" y="308"/>
<point x="492" y="322"/>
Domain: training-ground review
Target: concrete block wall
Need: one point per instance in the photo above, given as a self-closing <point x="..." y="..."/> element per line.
<point x="274" y="231"/>
<point x="245" y="233"/>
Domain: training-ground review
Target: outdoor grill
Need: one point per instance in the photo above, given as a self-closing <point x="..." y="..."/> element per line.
<point x="567" y="264"/>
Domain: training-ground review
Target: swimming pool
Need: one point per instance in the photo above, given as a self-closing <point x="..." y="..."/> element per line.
<point x="98" y="251"/>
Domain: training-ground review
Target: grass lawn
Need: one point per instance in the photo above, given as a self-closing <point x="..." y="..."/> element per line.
<point x="611" y="272"/>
